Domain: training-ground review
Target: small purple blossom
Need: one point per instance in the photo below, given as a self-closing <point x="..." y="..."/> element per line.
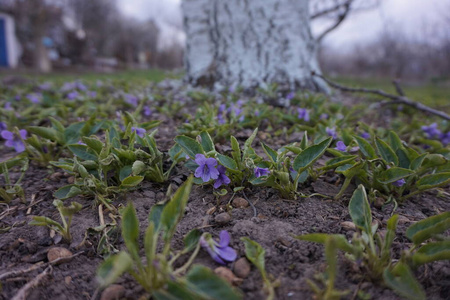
<point x="45" y="86"/>
<point x="72" y="95"/>
<point x="257" y="113"/>
<point x="3" y="126"/>
<point x="14" y="141"/>
<point x="261" y="172"/>
<point x="34" y="98"/>
<point x="220" y="251"/>
<point x="139" y="131"/>
<point x="323" y="116"/>
<point x="365" y="135"/>
<point x="223" y="179"/>
<point x="290" y="96"/>
<point x="206" y="168"/>
<point x="8" y="106"/>
<point x="81" y="143"/>
<point x="331" y="132"/>
<point x="131" y="99"/>
<point x="431" y="131"/>
<point x="399" y="183"/>
<point x="92" y="94"/>
<point x="341" y="146"/>
<point x="445" y="138"/>
<point x="147" y="111"/>
<point x="303" y="114"/>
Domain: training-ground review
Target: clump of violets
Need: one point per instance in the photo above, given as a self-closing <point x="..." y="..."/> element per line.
<point x="73" y="95"/>
<point x="340" y="145"/>
<point x="220" y="114"/>
<point x="34" y="98"/>
<point x="303" y="114"/>
<point x="131" y="99"/>
<point x="331" y="132"/>
<point x="365" y="135"/>
<point x="147" y="111"/>
<point x="261" y="172"/>
<point x="139" y="131"/>
<point x="3" y="126"/>
<point x="431" y="131"/>
<point x="220" y="251"/>
<point x="13" y="140"/>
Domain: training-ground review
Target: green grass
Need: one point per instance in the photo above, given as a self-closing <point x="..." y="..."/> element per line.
<point x="433" y="94"/>
<point x="137" y="76"/>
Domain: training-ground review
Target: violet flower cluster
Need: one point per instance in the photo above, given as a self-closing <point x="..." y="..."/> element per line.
<point x="13" y="140"/>
<point x="432" y="132"/>
<point x="208" y="169"/>
<point x="331" y="132"/>
<point x="341" y="146"/>
<point x="303" y="114"/>
<point x="220" y="251"/>
<point x="261" y="172"/>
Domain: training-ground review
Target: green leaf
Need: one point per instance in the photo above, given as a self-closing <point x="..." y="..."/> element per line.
<point x="155" y="216"/>
<point x="433" y="180"/>
<point x="93" y="143"/>
<point x="236" y="150"/>
<point x="308" y="156"/>
<point x="393" y="174"/>
<point x="425" y="229"/>
<point x="359" y="209"/>
<point x="272" y="154"/>
<point x="138" y="167"/>
<point x="124" y="172"/>
<point x="249" y="141"/>
<point x="83" y="152"/>
<point x="190" y="146"/>
<point x="131" y="181"/>
<point x="191" y="240"/>
<point x="365" y="147"/>
<point x="113" y="267"/>
<point x="72" y="133"/>
<point x="403" y="159"/>
<point x="339" y="161"/>
<point x="339" y="240"/>
<point x="207" y="142"/>
<point x="44" y="221"/>
<point x="389" y="238"/>
<point x="255" y="254"/>
<point x="386" y="151"/>
<point x="417" y="162"/>
<point x="227" y="162"/>
<point x="130" y="231"/>
<point x="208" y="285"/>
<point x="434" y="160"/>
<point x="432" y="252"/>
<point x="404" y="283"/>
<point x="67" y="191"/>
<point x="394" y="141"/>
<point x="174" y="210"/>
<point x="149" y="244"/>
<point x="47" y="133"/>
<point x="304" y="141"/>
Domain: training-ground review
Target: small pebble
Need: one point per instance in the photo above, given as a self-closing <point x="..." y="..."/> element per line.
<point x="71" y="180"/>
<point x="242" y="267"/>
<point x="347" y="225"/>
<point x="57" y="253"/>
<point x="403" y="220"/>
<point x="239" y="202"/>
<point x="113" y="292"/>
<point x="222" y="218"/>
<point x="227" y="275"/>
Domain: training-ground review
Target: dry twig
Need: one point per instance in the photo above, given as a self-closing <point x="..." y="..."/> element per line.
<point x="393" y="98"/>
<point x="23" y="292"/>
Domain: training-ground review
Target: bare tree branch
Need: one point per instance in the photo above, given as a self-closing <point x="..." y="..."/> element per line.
<point x="393" y="98"/>
<point x="329" y="10"/>
<point x="341" y="17"/>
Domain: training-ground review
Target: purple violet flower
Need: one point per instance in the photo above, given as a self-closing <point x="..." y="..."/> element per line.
<point x="206" y="168"/>
<point x="3" y="126"/>
<point x="261" y="172"/>
<point x="323" y="116"/>
<point x="139" y="131"/>
<point x="92" y="94"/>
<point x="399" y="183"/>
<point x="223" y="179"/>
<point x="445" y="138"/>
<point x="303" y="114"/>
<point x="331" y="132"/>
<point x="131" y="99"/>
<point x="220" y="251"/>
<point x="290" y="96"/>
<point x="365" y="135"/>
<point x="341" y="146"/>
<point x="14" y="141"/>
<point x="8" y="106"/>
<point x="147" y="111"/>
<point x="34" y="98"/>
<point x="72" y="95"/>
<point x="431" y="131"/>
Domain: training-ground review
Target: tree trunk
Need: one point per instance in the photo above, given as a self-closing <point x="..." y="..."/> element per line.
<point x="250" y="43"/>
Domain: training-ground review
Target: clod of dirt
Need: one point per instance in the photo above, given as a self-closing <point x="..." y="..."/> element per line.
<point x="227" y="275"/>
<point x="379" y="202"/>
<point x="70" y="180"/>
<point x="222" y="218"/>
<point x="242" y="267"/>
<point x="239" y="203"/>
<point x="113" y="292"/>
<point x="347" y="225"/>
<point x="403" y="220"/>
<point x="57" y="253"/>
<point x="56" y="176"/>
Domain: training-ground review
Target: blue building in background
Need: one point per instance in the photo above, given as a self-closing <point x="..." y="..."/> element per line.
<point x="9" y="46"/>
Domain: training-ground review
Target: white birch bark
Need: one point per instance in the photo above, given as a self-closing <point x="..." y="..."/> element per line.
<point x="250" y="43"/>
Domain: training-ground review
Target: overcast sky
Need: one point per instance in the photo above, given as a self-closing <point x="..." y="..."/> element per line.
<point x="411" y="16"/>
